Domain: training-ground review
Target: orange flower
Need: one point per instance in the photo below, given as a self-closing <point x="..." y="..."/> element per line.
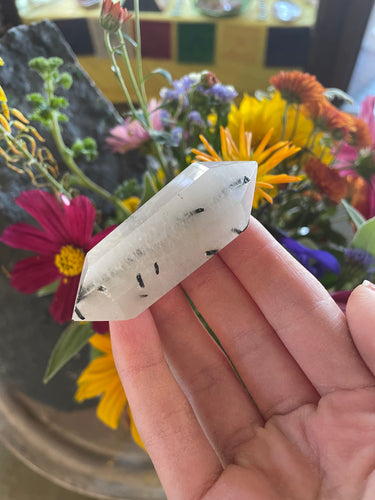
<point x="360" y="134"/>
<point x="359" y="192"/>
<point x="326" y="179"/>
<point x="333" y="119"/>
<point x="299" y="88"/>
<point x="113" y="16"/>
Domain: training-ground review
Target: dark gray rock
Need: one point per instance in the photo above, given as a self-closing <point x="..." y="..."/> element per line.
<point x="27" y="331"/>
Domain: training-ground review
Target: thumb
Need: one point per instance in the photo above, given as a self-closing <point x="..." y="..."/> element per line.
<point x="360" y="312"/>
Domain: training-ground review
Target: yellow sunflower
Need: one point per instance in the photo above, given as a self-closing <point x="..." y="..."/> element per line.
<point x="100" y="378"/>
<point x="259" y="116"/>
<point x="266" y="157"/>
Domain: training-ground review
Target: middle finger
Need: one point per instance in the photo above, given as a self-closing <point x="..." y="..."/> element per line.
<point x="220" y="402"/>
<point x="271" y="375"/>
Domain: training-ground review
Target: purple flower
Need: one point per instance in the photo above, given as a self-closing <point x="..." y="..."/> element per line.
<point x="318" y="262"/>
<point x="165" y="117"/>
<point x="222" y="93"/>
<point x="218" y="91"/>
<point x="177" y="134"/>
<point x="178" y="92"/>
<point x="361" y="260"/>
<point x="360" y="256"/>
<point x="194" y="118"/>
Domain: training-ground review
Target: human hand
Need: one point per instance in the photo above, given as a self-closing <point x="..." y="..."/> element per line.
<point x="310" y="372"/>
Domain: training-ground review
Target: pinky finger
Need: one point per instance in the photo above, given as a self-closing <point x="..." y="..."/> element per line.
<point x="181" y="453"/>
<point x="360" y="312"/>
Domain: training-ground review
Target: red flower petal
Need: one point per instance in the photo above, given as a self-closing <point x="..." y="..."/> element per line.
<point x="98" y="237"/>
<point x="101" y="327"/>
<point x="47" y="210"/>
<point x="63" y="302"/>
<point x="79" y="221"/>
<point x="31" y="274"/>
<point x="30" y="238"/>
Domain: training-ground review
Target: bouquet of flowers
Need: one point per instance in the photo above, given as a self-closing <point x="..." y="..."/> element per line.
<point x="315" y="187"/>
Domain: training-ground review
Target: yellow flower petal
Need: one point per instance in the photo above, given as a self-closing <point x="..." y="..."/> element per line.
<point x="101" y="342"/>
<point x="4" y="123"/>
<point x="3" y="97"/>
<point x="267" y="158"/>
<point x="134" y="431"/>
<point x="112" y="404"/>
<point x="131" y="203"/>
<point x="19" y="116"/>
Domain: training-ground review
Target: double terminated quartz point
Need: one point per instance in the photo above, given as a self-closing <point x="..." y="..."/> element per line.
<point x="193" y="217"/>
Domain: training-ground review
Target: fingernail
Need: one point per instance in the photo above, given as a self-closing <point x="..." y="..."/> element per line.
<point x="369" y="285"/>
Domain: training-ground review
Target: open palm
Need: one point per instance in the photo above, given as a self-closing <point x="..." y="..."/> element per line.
<point x="308" y="429"/>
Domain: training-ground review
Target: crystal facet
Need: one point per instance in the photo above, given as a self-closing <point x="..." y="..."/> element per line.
<point x="193" y="217"/>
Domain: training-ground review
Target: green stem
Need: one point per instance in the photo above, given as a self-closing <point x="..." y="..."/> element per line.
<point x="34" y="162"/>
<point x="142" y="100"/>
<point x="117" y="71"/>
<point x="67" y="156"/>
<point x="313" y="139"/>
<point x="284" y="121"/>
<point x="139" y="49"/>
<point x="295" y="123"/>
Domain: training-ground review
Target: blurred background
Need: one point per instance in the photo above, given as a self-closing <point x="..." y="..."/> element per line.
<point x="333" y="39"/>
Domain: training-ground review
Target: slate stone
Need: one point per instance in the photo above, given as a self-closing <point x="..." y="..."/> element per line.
<point x="27" y="332"/>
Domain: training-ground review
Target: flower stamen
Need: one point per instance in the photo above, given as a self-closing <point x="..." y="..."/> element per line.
<point x="70" y="260"/>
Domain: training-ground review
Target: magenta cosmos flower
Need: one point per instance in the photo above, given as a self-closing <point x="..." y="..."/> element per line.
<point x="131" y="134"/>
<point x="351" y="161"/>
<point x="348" y="154"/>
<point x="60" y="243"/>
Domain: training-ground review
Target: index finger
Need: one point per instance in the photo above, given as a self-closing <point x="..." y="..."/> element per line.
<point x="301" y="311"/>
<point x="175" y="441"/>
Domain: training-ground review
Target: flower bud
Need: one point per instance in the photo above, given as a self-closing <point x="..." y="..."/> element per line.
<point x="113" y="16"/>
<point x="208" y="79"/>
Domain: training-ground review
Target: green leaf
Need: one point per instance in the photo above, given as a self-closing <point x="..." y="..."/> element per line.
<point x="162" y="137"/>
<point x="48" y="289"/>
<point x="95" y="353"/>
<point x="71" y="341"/>
<point x="130" y="40"/>
<point x="149" y="188"/>
<point x="333" y="93"/>
<point x="355" y="216"/>
<point x="36" y="98"/>
<point x="364" y="238"/>
<point x="65" y="80"/>
<point x="261" y="94"/>
<point x="160" y="71"/>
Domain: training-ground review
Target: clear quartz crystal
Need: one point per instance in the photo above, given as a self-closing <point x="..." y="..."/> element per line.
<point x="182" y="226"/>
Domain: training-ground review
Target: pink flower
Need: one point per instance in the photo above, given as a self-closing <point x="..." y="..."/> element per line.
<point x="360" y="164"/>
<point x="131" y="134"/>
<point x="60" y="243"/>
<point x="341" y="298"/>
<point x="348" y="154"/>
